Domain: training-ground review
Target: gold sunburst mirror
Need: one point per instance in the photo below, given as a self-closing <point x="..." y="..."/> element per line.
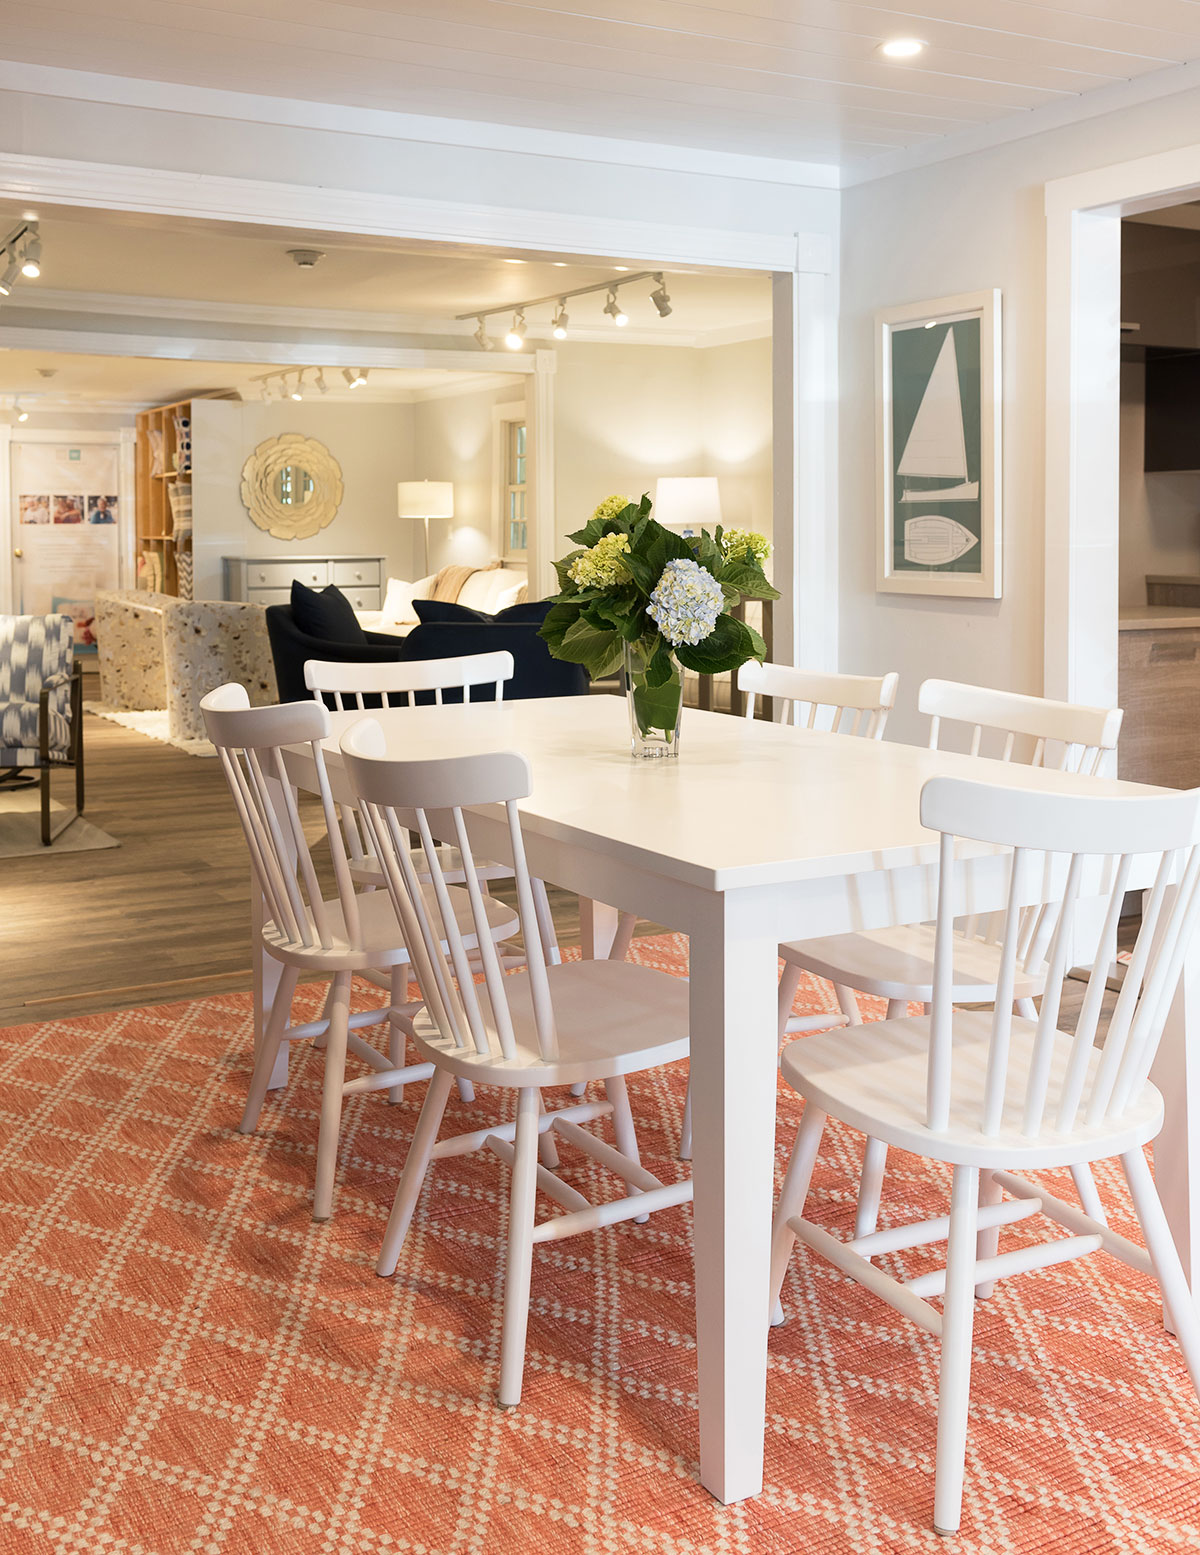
<point x="292" y="486"/>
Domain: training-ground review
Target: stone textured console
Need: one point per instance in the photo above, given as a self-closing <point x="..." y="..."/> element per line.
<point x="157" y="651"/>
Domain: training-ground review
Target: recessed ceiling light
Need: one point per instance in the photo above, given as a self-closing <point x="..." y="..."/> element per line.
<point x="514" y="261"/>
<point x="560" y="264"/>
<point x="902" y="48"/>
<point x="621" y="268"/>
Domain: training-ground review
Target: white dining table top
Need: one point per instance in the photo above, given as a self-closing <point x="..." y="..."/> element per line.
<point x="745" y="803"/>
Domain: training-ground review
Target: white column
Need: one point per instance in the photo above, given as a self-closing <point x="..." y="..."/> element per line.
<point x="733" y="1071"/>
<point x="543" y="538"/>
<point x="1176" y="1072"/>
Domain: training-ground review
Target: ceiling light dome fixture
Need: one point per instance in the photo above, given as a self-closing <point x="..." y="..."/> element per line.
<point x="660" y="298"/>
<point x="614" y="310"/>
<point x="515" y="338"/>
<point x="306" y="258"/>
<point x="558" y="326"/>
<point x="902" y="48"/>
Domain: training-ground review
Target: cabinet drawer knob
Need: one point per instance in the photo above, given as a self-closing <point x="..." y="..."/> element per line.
<point x="262" y="577"/>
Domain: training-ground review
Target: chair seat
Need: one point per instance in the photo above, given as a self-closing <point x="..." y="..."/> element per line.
<point x="19" y="728"/>
<point x="382" y="936"/>
<point x="873" y="1078"/>
<point x="612" y="1018"/>
<point x="368" y="870"/>
<point x="898" y="964"/>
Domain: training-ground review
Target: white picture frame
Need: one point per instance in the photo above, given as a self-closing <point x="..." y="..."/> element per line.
<point x="938" y="448"/>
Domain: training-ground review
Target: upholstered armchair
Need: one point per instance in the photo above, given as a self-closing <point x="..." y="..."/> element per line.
<point x="41" y="705"/>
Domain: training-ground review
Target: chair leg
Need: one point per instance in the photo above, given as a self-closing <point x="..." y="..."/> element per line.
<point x="870" y="1186"/>
<point x="466" y="1091"/>
<point x="331" y="1097"/>
<point x="416" y="1165"/>
<point x="685" y="1129"/>
<point x="45" y="795"/>
<point x="791" y="1199"/>
<point x="397" y="1036"/>
<point x="789" y="982"/>
<point x="1026" y="1009"/>
<point x="1160" y="1244"/>
<point x="988" y="1240"/>
<point x="623" y="938"/>
<point x="1089" y="1194"/>
<point x="547" y="1145"/>
<point x="623" y="1130"/>
<point x="264" y="1059"/>
<point x="321" y="1037"/>
<point x="958" y="1324"/>
<point x="519" y="1270"/>
<point x="848" y="1003"/>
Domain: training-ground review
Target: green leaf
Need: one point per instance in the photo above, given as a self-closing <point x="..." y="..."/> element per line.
<point x="748" y="578"/>
<point x="661" y="666"/>
<point x="600" y="652"/>
<point x="660" y="546"/>
<point x="727" y="646"/>
<point x="557" y="623"/>
<point x="656" y="707"/>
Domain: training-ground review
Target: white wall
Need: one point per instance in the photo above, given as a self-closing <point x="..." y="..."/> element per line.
<point x="372" y="443"/>
<point x="452" y="440"/>
<point x="1160" y="512"/>
<point x="973" y="222"/>
<point x="627" y="414"/>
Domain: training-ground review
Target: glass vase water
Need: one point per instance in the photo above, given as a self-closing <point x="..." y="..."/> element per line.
<point x="654" y="710"/>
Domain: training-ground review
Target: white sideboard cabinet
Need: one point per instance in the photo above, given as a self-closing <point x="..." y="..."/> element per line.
<point x="267" y="580"/>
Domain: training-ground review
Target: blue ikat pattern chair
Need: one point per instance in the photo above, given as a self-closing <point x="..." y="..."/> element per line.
<point x="41" y="706"/>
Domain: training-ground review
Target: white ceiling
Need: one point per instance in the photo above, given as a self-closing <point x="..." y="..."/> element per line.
<point x="792" y="79"/>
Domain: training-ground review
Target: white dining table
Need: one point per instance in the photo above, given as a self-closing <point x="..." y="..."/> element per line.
<point x="756" y="833"/>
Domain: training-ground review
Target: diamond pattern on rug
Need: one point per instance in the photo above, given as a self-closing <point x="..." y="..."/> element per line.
<point x="188" y="1363"/>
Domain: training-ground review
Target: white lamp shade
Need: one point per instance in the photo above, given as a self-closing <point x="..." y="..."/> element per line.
<point x="425" y="499"/>
<point x="688" y="503"/>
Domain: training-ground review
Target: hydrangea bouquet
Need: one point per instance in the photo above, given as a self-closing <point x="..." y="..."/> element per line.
<point x="643" y="596"/>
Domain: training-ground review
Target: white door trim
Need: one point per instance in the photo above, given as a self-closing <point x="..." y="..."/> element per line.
<point x="1083" y="388"/>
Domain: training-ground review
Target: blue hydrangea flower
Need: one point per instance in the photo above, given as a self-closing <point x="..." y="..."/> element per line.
<point x="686" y="602"/>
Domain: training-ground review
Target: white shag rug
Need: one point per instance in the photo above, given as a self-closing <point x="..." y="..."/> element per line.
<point x="154" y="723"/>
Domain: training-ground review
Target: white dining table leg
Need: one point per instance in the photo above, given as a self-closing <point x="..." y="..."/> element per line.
<point x="597" y="928"/>
<point x="733" y="1074"/>
<point x="1176" y="1072"/>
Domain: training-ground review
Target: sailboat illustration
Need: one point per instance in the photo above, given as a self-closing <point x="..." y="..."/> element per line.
<point x="936" y="447"/>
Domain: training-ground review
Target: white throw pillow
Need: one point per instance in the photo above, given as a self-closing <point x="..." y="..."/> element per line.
<point x="398" y="602"/>
<point x="492" y="589"/>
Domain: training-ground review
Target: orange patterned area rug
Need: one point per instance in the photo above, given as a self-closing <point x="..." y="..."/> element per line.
<point x="189" y="1364"/>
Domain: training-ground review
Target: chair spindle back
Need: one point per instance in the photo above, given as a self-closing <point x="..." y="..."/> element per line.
<point x="1085" y="734"/>
<point x="836" y="704"/>
<point x="399" y="684"/>
<point x="397" y="798"/>
<point x="1079" y="846"/>
<point x="249" y="741"/>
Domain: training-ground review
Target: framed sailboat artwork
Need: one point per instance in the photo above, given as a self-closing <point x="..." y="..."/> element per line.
<point x="938" y="379"/>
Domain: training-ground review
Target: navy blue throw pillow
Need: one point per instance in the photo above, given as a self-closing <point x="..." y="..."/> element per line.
<point x="442" y="612"/>
<point x="530" y="612"/>
<point x="325" y="614"/>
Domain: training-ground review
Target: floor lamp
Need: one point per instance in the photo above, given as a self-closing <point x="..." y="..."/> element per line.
<point x="425" y="500"/>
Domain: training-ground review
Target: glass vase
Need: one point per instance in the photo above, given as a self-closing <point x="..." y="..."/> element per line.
<point x="654" y="710"/>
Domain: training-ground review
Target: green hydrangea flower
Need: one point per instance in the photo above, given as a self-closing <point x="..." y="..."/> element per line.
<point x="745" y="542"/>
<point x="610" y="507"/>
<point x="601" y="567"/>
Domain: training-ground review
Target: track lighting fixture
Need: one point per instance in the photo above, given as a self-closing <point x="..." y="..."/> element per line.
<point x="355" y="376"/>
<point x="322" y="386"/>
<point x="614" y="310"/>
<point x="20" y="254"/>
<point x="298" y="391"/>
<point x="515" y="338"/>
<point x="560" y="321"/>
<point x="22" y="415"/>
<point x="32" y="257"/>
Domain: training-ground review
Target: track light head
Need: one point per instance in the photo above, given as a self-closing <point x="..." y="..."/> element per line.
<point x="32" y="255"/>
<point x="11" y="272"/>
<point x="515" y="338"/>
<point x="298" y="391"/>
<point x="558" y="326"/>
<point x="355" y="376"/>
<point x="22" y="415"/>
<point x="482" y="338"/>
<point x="614" y="310"/>
<point x="322" y="386"/>
<point x="660" y="298"/>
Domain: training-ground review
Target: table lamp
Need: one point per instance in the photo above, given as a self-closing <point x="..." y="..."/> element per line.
<point x="688" y="503"/>
<point x="425" y="500"/>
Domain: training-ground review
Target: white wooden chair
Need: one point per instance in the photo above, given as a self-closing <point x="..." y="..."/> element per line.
<point x="837" y="704"/>
<point x="993" y="1094"/>
<point x="896" y="964"/>
<point x="351" y="932"/>
<point x="549" y="1025"/>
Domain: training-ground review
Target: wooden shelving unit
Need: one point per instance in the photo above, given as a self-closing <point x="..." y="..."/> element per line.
<point x="158" y="536"/>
